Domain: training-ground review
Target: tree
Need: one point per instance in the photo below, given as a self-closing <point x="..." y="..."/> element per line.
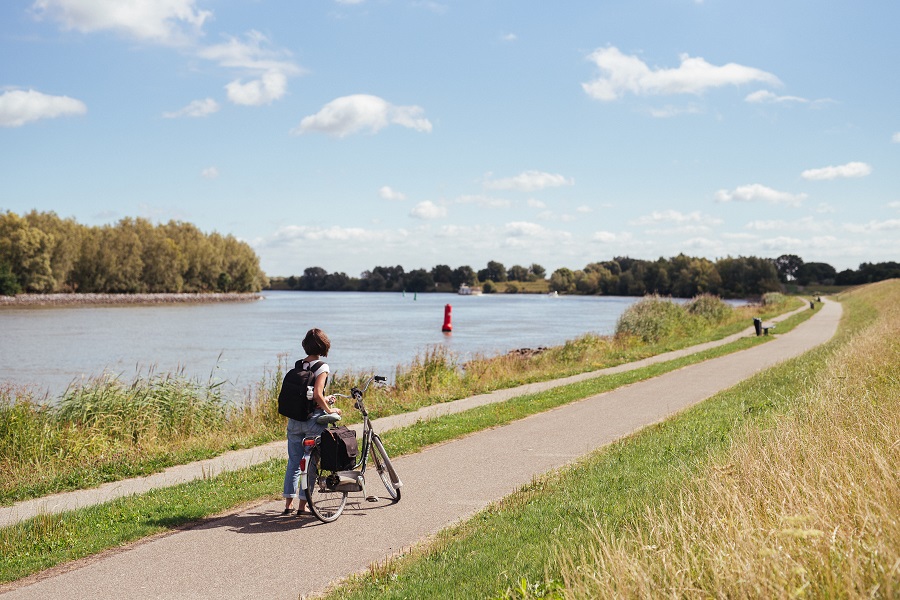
<point x="562" y="280"/>
<point x="787" y="266"/>
<point x="442" y="274"/>
<point x="816" y="272"/>
<point x="462" y="275"/>
<point x="495" y="272"/>
<point x="537" y="271"/>
<point x="9" y="285"/>
<point x="313" y="278"/>
<point x="517" y="273"/>
<point x="419" y="280"/>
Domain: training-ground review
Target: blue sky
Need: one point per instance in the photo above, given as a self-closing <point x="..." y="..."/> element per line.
<point x="355" y="133"/>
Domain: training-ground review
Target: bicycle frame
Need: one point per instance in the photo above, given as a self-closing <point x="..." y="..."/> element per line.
<point x="369" y="439"/>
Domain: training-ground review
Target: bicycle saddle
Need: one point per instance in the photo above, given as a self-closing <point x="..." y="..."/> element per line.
<point x="328" y="418"/>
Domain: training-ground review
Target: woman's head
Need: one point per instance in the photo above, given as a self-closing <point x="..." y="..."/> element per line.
<point x="316" y="343"/>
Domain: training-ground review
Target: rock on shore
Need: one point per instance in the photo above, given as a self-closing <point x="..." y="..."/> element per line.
<point x="110" y="299"/>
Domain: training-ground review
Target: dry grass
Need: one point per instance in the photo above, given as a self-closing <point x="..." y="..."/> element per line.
<point x="807" y="508"/>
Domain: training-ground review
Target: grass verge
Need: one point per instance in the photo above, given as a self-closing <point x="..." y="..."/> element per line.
<point x="613" y="524"/>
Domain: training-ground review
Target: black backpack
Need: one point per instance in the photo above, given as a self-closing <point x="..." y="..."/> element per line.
<point x="338" y="449"/>
<point x="295" y="399"/>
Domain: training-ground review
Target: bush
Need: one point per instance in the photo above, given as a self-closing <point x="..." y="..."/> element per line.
<point x="651" y="319"/>
<point x="709" y="307"/>
<point x="773" y="298"/>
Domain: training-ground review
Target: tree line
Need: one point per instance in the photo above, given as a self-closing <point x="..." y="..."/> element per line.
<point x="43" y="253"/>
<point x="680" y="276"/>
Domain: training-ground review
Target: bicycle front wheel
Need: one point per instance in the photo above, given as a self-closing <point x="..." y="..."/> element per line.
<point x="385" y="470"/>
<point x="327" y="504"/>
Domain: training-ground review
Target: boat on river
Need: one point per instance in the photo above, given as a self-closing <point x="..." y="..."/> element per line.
<point x="465" y="290"/>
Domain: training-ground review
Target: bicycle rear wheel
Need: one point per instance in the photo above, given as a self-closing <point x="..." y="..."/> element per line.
<point x="325" y="503"/>
<point x="385" y="470"/>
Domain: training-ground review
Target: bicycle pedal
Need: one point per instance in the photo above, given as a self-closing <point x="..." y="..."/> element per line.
<point x="372" y="498"/>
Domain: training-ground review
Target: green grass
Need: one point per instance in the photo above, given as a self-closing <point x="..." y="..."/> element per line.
<point x="45" y="541"/>
<point x="514" y="547"/>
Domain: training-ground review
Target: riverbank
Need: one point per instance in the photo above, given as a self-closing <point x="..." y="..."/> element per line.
<point x="29" y="300"/>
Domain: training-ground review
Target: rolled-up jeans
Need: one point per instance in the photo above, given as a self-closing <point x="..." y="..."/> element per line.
<point x="296" y="431"/>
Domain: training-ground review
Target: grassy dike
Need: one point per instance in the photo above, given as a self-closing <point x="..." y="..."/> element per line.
<point x="49" y="540"/>
<point x="784" y="486"/>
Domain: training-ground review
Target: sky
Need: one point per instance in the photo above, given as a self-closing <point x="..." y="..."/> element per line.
<point x="349" y="134"/>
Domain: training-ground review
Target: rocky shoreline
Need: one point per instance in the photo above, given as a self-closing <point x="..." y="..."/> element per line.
<point x="26" y="300"/>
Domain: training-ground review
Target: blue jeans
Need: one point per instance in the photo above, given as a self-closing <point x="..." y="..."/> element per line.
<point x="296" y="431"/>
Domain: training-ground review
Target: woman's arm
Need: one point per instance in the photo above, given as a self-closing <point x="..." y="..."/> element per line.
<point x="319" y="394"/>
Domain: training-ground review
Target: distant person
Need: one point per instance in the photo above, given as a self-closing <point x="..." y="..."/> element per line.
<point x="316" y="345"/>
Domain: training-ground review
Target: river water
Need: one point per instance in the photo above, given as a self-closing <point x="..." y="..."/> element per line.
<point x="47" y="349"/>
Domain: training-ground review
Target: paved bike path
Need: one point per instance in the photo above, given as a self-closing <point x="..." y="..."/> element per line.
<point x="257" y="553"/>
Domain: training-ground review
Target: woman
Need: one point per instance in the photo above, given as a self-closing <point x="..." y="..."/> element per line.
<point x="316" y="345"/>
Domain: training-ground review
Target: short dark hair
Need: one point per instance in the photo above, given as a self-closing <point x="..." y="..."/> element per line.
<point x="316" y="343"/>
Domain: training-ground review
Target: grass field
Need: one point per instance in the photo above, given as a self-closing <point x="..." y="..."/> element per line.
<point x="782" y="487"/>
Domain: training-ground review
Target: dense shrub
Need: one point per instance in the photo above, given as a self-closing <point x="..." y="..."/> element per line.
<point x="709" y="307"/>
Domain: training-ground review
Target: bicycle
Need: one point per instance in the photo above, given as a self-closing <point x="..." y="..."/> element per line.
<point x="326" y="491"/>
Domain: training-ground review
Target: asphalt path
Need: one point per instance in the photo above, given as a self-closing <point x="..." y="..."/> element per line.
<point x="257" y="553"/>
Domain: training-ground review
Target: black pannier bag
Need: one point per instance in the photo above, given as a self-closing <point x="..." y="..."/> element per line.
<point x="295" y="398"/>
<point x="338" y="449"/>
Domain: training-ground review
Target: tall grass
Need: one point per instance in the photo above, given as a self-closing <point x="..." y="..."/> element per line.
<point x="809" y="507"/>
<point x="105" y="429"/>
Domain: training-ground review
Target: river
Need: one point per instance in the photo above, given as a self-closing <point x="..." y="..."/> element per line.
<point x="47" y="349"/>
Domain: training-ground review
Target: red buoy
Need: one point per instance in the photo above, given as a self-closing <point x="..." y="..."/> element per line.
<point x="448" y="326"/>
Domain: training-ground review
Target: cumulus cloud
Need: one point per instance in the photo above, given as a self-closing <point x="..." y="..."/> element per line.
<point x="803" y="224"/>
<point x="509" y="37"/>
<point x="388" y="193"/>
<point x="18" y="107"/>
<point x="873" y="226"/>
<point x="621" y="74"/>
<point x="673" y="216"/>
<point x="767" y="97"/>
<point x="210" y="173"/>
<point x="485" y="201"/>
<point x="851" y="169"/>
<point x="428" y="210"/>
<point x="165" y="22"/>
<point x="267" y="69"/>
<point x="529" y="181"/>
<point x="361" y="112"/>
<point x="535" y="203"/>
<point x="759" y="193"/>
<point x="896" y="138"/>
<point x="608" y="237"/>
<point x="197" y="108"/>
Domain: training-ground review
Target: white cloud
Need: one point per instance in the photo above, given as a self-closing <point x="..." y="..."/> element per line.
<point x="756" y="192"/>
<point x="873" y="226"/>
<point x="526" y="229"/>
<point x="767" y="97"/>
<point x="584" y="209"/>
<point x="896" y="138"/>
<point x="679" y="218"/>
<point x="605" y="237"/>
<point x="388" y="193"/>
<point x="271" y="86"/>
<point x="362" y="112"/>
<point x="18" y="107"/>
<point x="210" y="173"/>
<point x="621" y="74"/>
<point x="894" y="205"/>
<point x="163" y="21"/>
<point x="669" y="111"/>
<point x="484" y="201"/>
<point x="509" y="37"/>
<point x="267" y="68"/>
<point x="295" y="234"/>
<point x="197" y="108"/>
<point x="803" y="224"/>
<point x="851" y="169"/>
<point x="529" y="181"/>
<point x="535" y="203"/>
<point x="428" y="210"/>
